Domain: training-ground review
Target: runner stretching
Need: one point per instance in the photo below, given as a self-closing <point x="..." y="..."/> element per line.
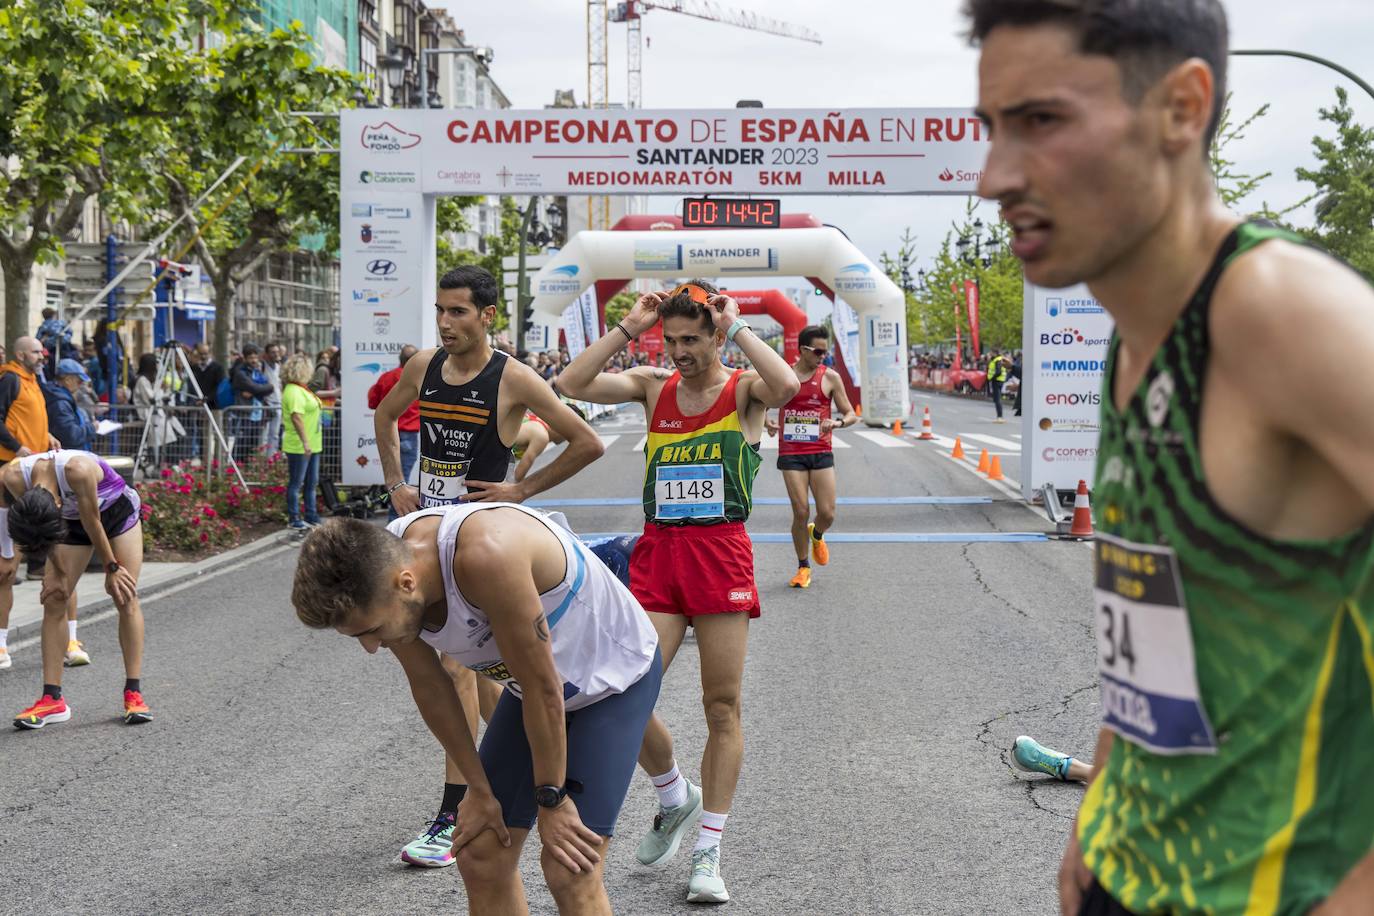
<point x="471" y="401"/>
<point x="694" y="564"/>
<point x="1234" y="599"/>
<point x="72" y="503"/>
<point x="805" y="455"/>
<point x="513" y="596"/>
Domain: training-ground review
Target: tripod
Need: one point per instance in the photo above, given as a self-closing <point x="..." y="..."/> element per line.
<point x="173" y="357"/>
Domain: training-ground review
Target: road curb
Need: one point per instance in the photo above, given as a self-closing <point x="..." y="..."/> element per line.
<point x="200" y="569"/>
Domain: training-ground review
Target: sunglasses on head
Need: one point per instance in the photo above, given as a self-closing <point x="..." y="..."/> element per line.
<point x="819" y="351"/>
<point x="694" y="292"/>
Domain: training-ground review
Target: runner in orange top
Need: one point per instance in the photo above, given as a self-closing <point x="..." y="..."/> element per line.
<point x="805" y="455"/>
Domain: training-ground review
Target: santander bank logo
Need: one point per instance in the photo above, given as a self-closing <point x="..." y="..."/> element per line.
<point x="388" y="138"/>
<point x="946" y="175"/>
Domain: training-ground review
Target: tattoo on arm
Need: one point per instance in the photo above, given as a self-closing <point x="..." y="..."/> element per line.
<point x="541" y="629"/>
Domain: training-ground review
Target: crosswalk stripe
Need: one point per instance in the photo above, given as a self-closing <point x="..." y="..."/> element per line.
<point x="639" y="446"/>
<point x="608" y="441"/>
<point x="993" y="440"/>
<point x="886" y="440"/>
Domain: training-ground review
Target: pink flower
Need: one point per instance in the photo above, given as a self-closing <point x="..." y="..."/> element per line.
<point x="183" y="489"/>
<point x="204" y="537"/>
<point x="166" y="472"/>
<point x="210" y="513"/>
<point x="195" y="520"/>
<point x="214" y="465"/>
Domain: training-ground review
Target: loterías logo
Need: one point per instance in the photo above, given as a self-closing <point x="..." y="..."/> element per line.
<point x="946" y="175"/>
<point x="388" y="138"/>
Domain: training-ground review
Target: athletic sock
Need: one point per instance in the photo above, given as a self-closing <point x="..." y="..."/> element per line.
<point x="817" y="534"/>
<point x="671" y="788"/>
<point x="803" y="564"/>
<point x="52" y="690"/>
<point x="71" y="630"/>
<point x="132" y="683"/>
<point x="712" y="826"/>
<point x="4" y="637"/>
<point x="453" y="796"/>
<point x="1064" y="768"/>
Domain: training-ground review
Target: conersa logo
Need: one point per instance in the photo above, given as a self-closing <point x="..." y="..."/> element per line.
<point x="1052" y="455"/>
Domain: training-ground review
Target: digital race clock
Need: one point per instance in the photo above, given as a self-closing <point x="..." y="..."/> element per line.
<point x="731" y="213"/>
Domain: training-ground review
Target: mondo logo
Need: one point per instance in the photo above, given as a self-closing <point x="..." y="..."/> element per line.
<point x="388" y="138"/>
<point x="381" y="267"/>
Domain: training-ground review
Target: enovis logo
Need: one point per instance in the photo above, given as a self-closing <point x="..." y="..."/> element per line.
<point x="388" y="138"/>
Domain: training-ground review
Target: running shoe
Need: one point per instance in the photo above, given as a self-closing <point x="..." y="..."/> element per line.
<point x="135" y="710"/>
<point x="5" y="660"/>
<point x="661" y="842"/>
<point x="44" y="711"/>
<point x="802" y="579"/>
<point x="707" y="886"/>
<point x="298" y="525"/>
<point x="1030" y="756"/>
<point x="434" y="847"/>
<point x="820" y="550"/>
<point x="76" y="655"/>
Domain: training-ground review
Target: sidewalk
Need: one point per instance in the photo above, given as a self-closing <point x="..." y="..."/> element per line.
<point x="26" y="618"/>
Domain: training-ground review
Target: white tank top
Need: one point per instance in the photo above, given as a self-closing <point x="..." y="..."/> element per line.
<point x="110" y="488"/>
<point x="602" y="639"/>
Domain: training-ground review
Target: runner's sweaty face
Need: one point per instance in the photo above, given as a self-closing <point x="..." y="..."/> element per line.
<point x="1077" y="168"/>
<point x="691" y="344"/>
<point x="393" y="619"/>
<point x="462" y="325"/>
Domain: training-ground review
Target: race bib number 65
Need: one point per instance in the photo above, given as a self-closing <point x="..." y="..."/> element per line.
<point x="797" y="428"/>
<point x="1145" y="659"/>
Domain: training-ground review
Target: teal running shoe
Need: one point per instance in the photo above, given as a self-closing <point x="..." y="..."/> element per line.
<point x="1030" y="756"/>
<point x="434" y="847"/>
<point x="707" y="886"/>
<point x="661" y="842"/>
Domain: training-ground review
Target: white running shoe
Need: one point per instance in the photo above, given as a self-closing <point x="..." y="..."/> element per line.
<point x="5" y="660"/>
<point x="707" y="886"/>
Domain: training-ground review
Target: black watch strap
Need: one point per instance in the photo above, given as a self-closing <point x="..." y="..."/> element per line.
<point x="550" y="796"/>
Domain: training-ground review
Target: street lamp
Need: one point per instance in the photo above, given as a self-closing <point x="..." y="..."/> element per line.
<point x="394" y="69"/>
<point x="1310" y="57"/>
<point x="993" y="245"/>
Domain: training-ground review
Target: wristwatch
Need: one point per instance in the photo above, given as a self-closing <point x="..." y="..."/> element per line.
<point x="550" y="796"/>
<point x="112" y="567"/>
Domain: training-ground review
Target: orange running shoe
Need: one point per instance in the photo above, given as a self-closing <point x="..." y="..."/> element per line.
<point x="135" y="710"/>
<point x="820" y="550"/>
<point x="802" y="579"/>
<point x="44" y="711"/>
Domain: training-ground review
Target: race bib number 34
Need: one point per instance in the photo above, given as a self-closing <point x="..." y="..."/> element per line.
<point x="689" y="491"/>
<point x="442" y="483"/>
<point x="1145" y="656"/>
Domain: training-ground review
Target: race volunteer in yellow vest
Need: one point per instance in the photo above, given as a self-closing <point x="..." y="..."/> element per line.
<point x="998" y="368"/>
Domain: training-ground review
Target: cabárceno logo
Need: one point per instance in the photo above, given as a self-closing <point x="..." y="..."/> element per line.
<point x="387" y="138"/>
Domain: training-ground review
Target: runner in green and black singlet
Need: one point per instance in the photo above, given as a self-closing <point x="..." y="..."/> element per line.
<point x="1235" y="482"/>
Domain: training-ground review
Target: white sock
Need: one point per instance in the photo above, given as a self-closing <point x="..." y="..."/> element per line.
<point x="71" y="630"/>
<point x="4" y="636"/>
<point x="671" y="788"/>
<point x="712" y="826"/>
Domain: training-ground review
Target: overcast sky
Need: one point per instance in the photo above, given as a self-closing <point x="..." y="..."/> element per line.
<point x="906" y="53"/>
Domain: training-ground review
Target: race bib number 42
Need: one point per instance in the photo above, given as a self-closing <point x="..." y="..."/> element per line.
<point x="1145" y="657"/>
<point x="442" y="483"/>
<point x="801" y="429"/>
<point x="689" y="491"/>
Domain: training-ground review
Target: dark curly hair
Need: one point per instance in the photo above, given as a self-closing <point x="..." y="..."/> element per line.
<point x="341" y="569"/>
<point x="36" y="522"/>
<point x="684" y="306"/>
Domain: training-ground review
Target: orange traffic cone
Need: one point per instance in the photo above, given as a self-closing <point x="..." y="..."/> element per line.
<point x="1082" y="513"/>
<point x="958" y="448"/>
<point x="927" y="431"/>
<point x="859" y="409"/>
<point x="995" y="472"/>
<point x="984" y="465"/>
<point x="897" y="428"/>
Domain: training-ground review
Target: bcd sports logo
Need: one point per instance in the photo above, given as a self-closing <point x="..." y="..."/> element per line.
<point x="387" y="138"/>
<point x="1069" y="337"/>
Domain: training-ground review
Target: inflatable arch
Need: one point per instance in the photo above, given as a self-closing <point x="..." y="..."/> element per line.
<point x="820" y="253"/>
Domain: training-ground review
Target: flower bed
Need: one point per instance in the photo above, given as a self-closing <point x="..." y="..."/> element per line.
<point x="201" y="511"/>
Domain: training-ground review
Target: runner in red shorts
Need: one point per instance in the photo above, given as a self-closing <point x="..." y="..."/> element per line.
<point x="805" y="454"/>
<point x="694" y="564"/>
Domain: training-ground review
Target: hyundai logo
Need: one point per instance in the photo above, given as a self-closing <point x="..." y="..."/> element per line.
<point x="381" y="268"/>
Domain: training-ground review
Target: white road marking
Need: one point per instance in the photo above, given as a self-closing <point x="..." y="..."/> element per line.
<point x="993" y="440"/>
<point x="885" y="440"/>
<point x="608" y="441"/>
<point x="639" y="446"/>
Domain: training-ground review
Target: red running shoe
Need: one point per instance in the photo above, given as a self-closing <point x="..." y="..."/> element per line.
<point x="135" y="710"/>
<point x="44" y="711"/>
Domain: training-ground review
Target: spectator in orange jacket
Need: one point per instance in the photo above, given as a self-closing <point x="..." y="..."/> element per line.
<point x="23" y="409"/>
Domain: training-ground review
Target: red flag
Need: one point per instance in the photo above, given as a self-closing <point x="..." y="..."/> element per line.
<point x="958" y="364"/>
<point x="971" y="298"/>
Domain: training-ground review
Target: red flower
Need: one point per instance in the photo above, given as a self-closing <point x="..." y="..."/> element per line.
<point x="210" y="513"/>
<point x="166" y="472"/>
<point x="204" y="537"/>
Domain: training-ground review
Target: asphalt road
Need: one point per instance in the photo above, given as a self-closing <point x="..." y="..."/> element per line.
<point x="286" y="767"/>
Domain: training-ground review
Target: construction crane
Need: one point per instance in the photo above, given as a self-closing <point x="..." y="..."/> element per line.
<point x="631" y="11"/>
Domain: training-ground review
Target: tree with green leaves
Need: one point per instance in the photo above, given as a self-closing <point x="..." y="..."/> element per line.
<point x="254" y="81"/>
<point x="506" y="244"/>
<point x="1344" y="179"/>
<point x="932" y="309"/>
<point x="87" y="88"/>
